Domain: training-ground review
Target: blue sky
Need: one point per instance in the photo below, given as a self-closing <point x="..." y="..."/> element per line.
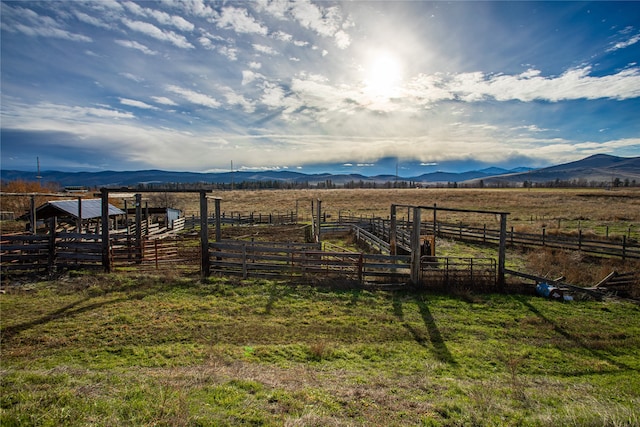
<point x="356" y="86"/>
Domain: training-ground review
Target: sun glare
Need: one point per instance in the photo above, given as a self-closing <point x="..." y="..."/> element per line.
<point x="383" y="75"/>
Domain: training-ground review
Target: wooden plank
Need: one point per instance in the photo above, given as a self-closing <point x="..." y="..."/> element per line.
<point x="79" y="256"/>
<point x="24" y="238"/>
<point x="24" y="258"/>
<point x="23" y="267"/>
<point x="83" y="246"/>
<point x="81" y="236"/>
<point x="25" y="248"/>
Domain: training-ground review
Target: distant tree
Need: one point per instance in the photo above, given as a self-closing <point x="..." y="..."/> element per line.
<point x="22" y="204"/>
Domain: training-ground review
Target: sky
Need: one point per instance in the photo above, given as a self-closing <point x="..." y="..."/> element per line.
<point x="343" y="87"/>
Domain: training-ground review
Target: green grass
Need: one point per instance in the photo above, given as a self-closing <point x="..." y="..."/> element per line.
<point x="132" y="350"/>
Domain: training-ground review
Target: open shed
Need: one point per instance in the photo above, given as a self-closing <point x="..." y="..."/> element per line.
<point x="86" y="209"/>
<point x="79" y="211"/>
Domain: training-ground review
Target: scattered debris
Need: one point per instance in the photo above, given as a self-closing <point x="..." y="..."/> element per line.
<point x="552" y="292"/>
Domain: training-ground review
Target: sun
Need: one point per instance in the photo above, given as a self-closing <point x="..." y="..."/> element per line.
<point x="383" y="75"/>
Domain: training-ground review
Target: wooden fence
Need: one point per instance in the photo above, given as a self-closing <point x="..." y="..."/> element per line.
<point x="290" y="260"/>
<point x="619" y="247"/>
<point x="46" y="253"/>
<point x="237" y="218"/>
<point x="308" y="262"/>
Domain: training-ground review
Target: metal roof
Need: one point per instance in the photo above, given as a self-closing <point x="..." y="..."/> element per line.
<point x="91" y="208"/>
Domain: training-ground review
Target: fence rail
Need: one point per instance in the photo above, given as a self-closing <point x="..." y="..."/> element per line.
<point x="255" y="259"/>
<point x="236" y="218"/>
<point x="616" y="247"/>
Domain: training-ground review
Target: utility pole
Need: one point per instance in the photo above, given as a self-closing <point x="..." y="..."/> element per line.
<point x="38" y="176"/>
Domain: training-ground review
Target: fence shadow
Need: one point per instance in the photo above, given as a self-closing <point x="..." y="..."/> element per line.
<point x="434" y="341"/>
<point x="602" y="355"/>
<point x="68" y="310"/>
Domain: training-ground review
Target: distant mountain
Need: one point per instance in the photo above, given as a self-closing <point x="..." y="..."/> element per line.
<point x="598" y="168"/>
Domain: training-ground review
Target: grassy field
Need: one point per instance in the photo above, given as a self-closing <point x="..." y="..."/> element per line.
<point x="565" y="210"/>
<point x="120" y="349"/>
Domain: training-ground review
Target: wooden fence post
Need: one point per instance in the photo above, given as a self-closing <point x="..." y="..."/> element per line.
<point x="502" y="251"/>
<point x="204" y="237"/>
<point x="218" y="221"/>
<point x="415" y="247"/>
<point x="245" y="272"/>
<point x="106" y="264"/>
<point x="392" y="231"/>
<point x="319" y="207"/>
<point x="138" y="228"/>
<point x="313" y="221"/>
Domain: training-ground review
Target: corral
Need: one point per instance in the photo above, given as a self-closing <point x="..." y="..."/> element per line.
<point x="398" y="249"/>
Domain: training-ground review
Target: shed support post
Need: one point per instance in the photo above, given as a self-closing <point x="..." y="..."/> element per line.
<point x="392" y="232"/>
<point x="106" y="264"/>
<point x="32" y="216"/>
<point x="204" y="237"/>
<point x="52" y="246"/>
<point x="79" y="219"/>
<point x="415" y="247"/>
<point x="502" y="251"/>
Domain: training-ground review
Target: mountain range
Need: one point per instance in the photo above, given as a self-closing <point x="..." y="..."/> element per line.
<point x="599" y="168"/>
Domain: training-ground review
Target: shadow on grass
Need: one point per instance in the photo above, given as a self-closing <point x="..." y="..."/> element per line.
<point x="68" y="310"/>
<point x="575" y="339"/>
<point x="435" y="342"/>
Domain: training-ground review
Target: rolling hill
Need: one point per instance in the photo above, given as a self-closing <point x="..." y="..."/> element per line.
<point x="599" y="168"/>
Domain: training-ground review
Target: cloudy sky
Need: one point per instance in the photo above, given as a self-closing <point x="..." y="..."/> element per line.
<point x="358" y="86"/>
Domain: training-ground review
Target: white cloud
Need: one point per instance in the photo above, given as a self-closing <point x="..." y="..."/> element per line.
<point x="92" y="20"/>
<point x="155" y="32"/>
<point x="249" y="76"/>
<point x="526" y="87"/>
<point x="255" y="65"/>
<point x="30" y="23"/>
<point x="137" y="104"/>
<point x="234" y="98"/>
<point x="264" y="49"/>
<point x="240" y="21"/>
<point x="132" y="44"/>
<point x="325" y="21"/>
<point x="231" y="53"/>
<point x="173" y="20"/>
<point x="343" y="40"/>
<point x="281" y="35"/>
<point x="276" y="8"/>
<point x="194" y="97"/>
<point x="132" y="77"/>
<point x="163" y="100"/>
<point x="625" y="43"/>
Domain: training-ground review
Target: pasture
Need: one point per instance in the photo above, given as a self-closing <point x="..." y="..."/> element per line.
<point x="121" y="349"/>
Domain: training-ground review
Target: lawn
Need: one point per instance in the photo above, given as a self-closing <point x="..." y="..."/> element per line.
<point x="124" y="349"/>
